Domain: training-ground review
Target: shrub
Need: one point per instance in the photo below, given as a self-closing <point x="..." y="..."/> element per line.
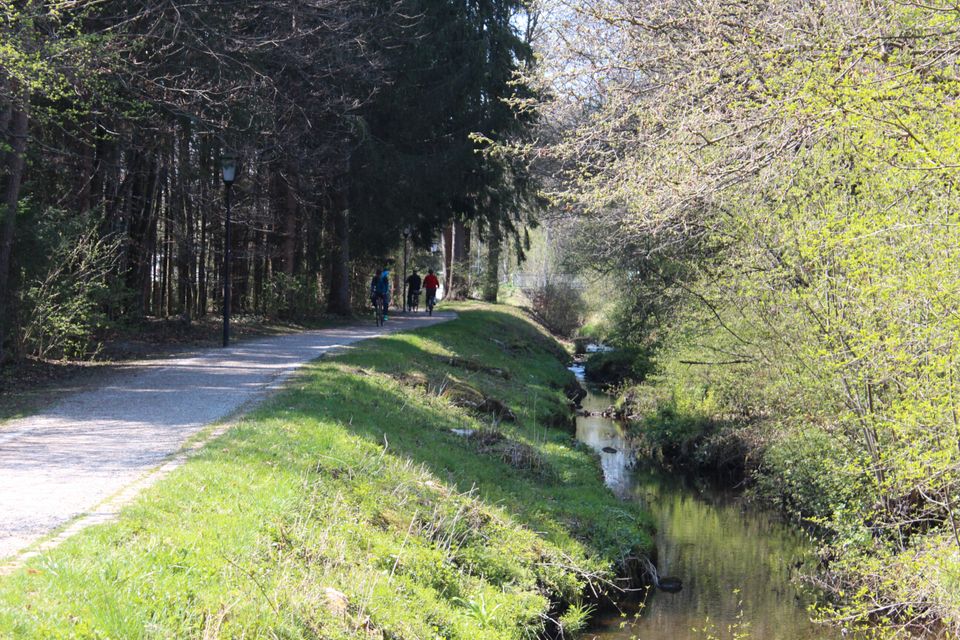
<point x="291" y="297"/>
<point x="614" y="367"/>
<point x="673" y="436"/>
<point x="682" y="426"/>
<point x="63" y="309"/>
<point x="560" y="307"/>
<point x="596" y="330"/>
<point x="805" y="472"/>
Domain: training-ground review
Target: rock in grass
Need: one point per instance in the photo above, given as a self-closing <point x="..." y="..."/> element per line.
<point x="336" y="602"/>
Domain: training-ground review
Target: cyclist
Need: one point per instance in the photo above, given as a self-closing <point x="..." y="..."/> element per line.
<point x="431" y="284"/>
<point x="413" y="289"/>
<point x="383" y="289"/>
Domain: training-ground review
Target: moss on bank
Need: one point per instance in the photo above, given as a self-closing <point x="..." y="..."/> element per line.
<point x="346" y="507"/>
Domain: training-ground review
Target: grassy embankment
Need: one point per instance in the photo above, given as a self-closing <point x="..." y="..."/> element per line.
<point x="345" y="507"/>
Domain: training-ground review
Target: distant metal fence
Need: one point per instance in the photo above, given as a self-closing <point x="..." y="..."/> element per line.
<point x="537" y="280"/>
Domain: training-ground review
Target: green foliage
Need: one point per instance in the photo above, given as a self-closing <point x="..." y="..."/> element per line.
<point x="35" y="36"/>
<point x="484" y="616"/>
<point x="68" y="287"/>
<point x="425" y="136"/>
<point x="808" y="473"/>
<point x="673" y="425"/>
<point x="576" y="618"/>
<point x="797" y="259"/>
<point x="596" y="330"/>
<point x="289" y="297"/>
<point x="383" y="108"/>
<point x="618" y="366"/>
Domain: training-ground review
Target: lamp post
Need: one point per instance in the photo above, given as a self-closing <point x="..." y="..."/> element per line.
<point x="406" y="298"/>
<point x="229" y="169"/>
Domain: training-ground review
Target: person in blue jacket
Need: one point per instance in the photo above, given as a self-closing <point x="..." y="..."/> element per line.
<point x="383" y="289"/>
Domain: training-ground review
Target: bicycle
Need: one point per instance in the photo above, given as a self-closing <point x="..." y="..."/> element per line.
<point x="413" y="300"/>
<point x="431" y="301"/>
<point x="379" y="310"/>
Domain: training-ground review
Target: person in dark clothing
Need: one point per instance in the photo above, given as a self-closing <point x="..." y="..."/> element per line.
<point x="374" y="283"/>
<point x="413" y="290"/>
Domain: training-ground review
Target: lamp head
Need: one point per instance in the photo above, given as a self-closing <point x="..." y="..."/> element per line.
<point x="228" y="165"/>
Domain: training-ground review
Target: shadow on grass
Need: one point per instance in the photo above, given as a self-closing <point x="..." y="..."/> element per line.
<point x="361" y="393"/>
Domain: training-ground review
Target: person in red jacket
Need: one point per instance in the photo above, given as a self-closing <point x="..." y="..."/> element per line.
<point x="430" y="285"/>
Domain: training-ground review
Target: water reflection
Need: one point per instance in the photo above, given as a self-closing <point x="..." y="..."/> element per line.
<point x="605" y="436"/>
<point x="736" y="563"/>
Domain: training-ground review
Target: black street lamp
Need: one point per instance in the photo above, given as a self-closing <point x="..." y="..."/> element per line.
<point x="229" y="168"/>
<point x="406" y="295"/>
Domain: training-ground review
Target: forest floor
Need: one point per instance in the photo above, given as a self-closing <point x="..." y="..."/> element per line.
<point x="423" y="485"/>
<point x="70" y="456"/>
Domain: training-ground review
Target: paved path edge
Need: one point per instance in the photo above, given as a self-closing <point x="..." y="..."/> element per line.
<point x="109" y="508"/>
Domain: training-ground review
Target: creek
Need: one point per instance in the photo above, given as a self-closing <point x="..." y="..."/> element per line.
<point x="737" y="563"/>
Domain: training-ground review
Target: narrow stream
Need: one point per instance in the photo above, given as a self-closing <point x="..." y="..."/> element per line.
<point x="736" y="563"/>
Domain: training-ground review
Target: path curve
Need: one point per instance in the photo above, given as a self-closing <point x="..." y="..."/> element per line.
<point x="60" y="464"/>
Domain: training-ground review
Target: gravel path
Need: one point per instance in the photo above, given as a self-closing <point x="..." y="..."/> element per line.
<point x="63" y="463"/>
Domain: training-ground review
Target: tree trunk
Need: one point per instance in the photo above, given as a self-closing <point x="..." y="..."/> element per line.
<point x="142" y="238"/>
<point x="206" y="187"/>
<point x="242" y="252"/>
<point x="6" y="116"/>
<point x="261" y="260"/>
<point x="148" y="303"/>
<point x="447" y="257"/>
<point x="202" y="263"/>
<point x="167" y="257"/>
<point x="17" y="139"/>
<point x="456" y="275"/>
<point x="491" y="285"/>
<point x="186" y="260"/>
<point x="339" y="298"/>
<point x="289" y="220"/>
<point x="88" y="169"/>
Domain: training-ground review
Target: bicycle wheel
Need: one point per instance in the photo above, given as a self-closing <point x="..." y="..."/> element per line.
<point x="378" y="311"/>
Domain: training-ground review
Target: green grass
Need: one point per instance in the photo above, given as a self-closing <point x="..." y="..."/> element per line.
<point x="353" y="481"/>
